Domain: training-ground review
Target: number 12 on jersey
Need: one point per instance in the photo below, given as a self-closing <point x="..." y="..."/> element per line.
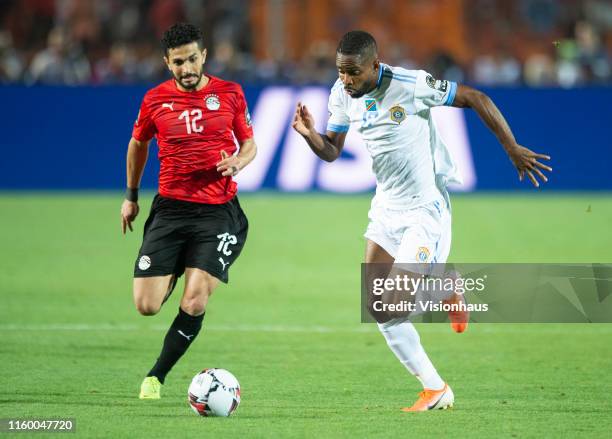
<point x="192" y="125"/>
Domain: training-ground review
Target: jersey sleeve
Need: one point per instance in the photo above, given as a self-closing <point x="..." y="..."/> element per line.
<point x="339" y="120"/>
<point x="431" y="92"/>
<point x="241" y="126"/>
<point x="144" y="128"/>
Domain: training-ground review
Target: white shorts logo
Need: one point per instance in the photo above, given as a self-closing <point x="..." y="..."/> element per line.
<point x="144" y="262"/>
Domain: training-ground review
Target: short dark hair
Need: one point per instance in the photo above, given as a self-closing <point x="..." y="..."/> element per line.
<point x="181" y="34"/>
<point x="357" y="42"/>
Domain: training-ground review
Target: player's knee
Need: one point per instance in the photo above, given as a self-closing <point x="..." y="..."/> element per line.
<point x="194" y="306"/>
<point x="199" y="287"/>
<point x="194" y="301"/>
<point x="147" y="298"/>
<point x="147" y="307"/>
<point x="375" y="312"/>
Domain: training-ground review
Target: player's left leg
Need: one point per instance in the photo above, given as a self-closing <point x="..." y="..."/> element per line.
<point x="199" y="285"/>
<point x="438" y="221"/>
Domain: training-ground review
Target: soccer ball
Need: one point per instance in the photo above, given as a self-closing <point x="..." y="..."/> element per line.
<point x="214" y="392"/>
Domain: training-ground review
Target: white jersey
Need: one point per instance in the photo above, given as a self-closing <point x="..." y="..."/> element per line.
<point x="409" y="159"/>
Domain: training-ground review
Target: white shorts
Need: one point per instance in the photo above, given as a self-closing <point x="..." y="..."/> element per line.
<point x="418" y="235"/>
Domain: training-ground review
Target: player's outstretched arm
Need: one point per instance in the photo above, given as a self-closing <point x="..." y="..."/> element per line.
<point x="137" y="154"/>
<point x="525" y="161"/>
<point x="327" y="146"/>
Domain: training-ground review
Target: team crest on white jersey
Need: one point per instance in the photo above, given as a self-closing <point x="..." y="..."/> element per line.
<point x="212" y="102"/>
<point x="398" y="114"/>
<point x="436" y="84"/>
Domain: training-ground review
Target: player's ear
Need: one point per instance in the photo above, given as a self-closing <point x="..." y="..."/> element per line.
<point x="167" y="61"/>
<point x="204" y="56"/>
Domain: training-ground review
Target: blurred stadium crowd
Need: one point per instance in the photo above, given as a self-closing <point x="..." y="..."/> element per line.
<point x="537" y="43"/>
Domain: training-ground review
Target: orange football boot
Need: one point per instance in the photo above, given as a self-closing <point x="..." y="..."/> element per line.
<point x="459" y="319"/>
<point x="433" y="399"/>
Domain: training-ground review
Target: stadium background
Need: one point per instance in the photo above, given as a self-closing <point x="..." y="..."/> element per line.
<point x="72" y="74"/>
<point x="547" y="64"/>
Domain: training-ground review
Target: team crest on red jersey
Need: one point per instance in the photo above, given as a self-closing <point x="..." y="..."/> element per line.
<point x="212" y="102"/>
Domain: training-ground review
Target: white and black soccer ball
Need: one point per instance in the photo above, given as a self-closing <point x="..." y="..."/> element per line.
<point x="214" y="392"/>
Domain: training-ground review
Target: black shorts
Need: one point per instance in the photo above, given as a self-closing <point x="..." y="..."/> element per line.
<point x="181" y="234"/>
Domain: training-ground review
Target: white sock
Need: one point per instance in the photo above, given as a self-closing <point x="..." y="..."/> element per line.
<point x="404" y="341"/>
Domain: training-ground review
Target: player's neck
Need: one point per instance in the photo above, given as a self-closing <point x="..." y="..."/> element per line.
<point x="203" y="83"/>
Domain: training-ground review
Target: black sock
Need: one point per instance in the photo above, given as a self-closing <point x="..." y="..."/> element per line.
<point x="182" y="332"/>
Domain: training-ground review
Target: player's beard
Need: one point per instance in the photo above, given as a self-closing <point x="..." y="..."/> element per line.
<point x="194" y="84"/>
<point x="357" y="93"/>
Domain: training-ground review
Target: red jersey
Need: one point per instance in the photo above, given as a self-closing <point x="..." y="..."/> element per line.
<point x="192" y="128"/>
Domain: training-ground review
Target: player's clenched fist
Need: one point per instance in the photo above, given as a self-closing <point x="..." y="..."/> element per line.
<point x="129" y="211"/>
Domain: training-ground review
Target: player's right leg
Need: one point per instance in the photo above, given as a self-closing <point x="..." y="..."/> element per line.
<point x="149" y="295"/>
<point x="402" y="337"/>
<point x="160" y="258"/>
<point x="151" y="292"/>
<point x="400" y="334"/>
<point x="159" y="263"/>
<point x="376" y="254"/>
<point x="426" y="240"/>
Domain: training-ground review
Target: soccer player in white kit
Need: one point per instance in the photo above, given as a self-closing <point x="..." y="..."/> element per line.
<point x="409" y="219"/>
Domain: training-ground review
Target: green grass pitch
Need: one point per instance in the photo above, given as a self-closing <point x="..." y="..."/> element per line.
<point x="72" y="344"/>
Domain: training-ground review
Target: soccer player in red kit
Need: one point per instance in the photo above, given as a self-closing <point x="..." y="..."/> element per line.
<point x="196" y="225"/>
